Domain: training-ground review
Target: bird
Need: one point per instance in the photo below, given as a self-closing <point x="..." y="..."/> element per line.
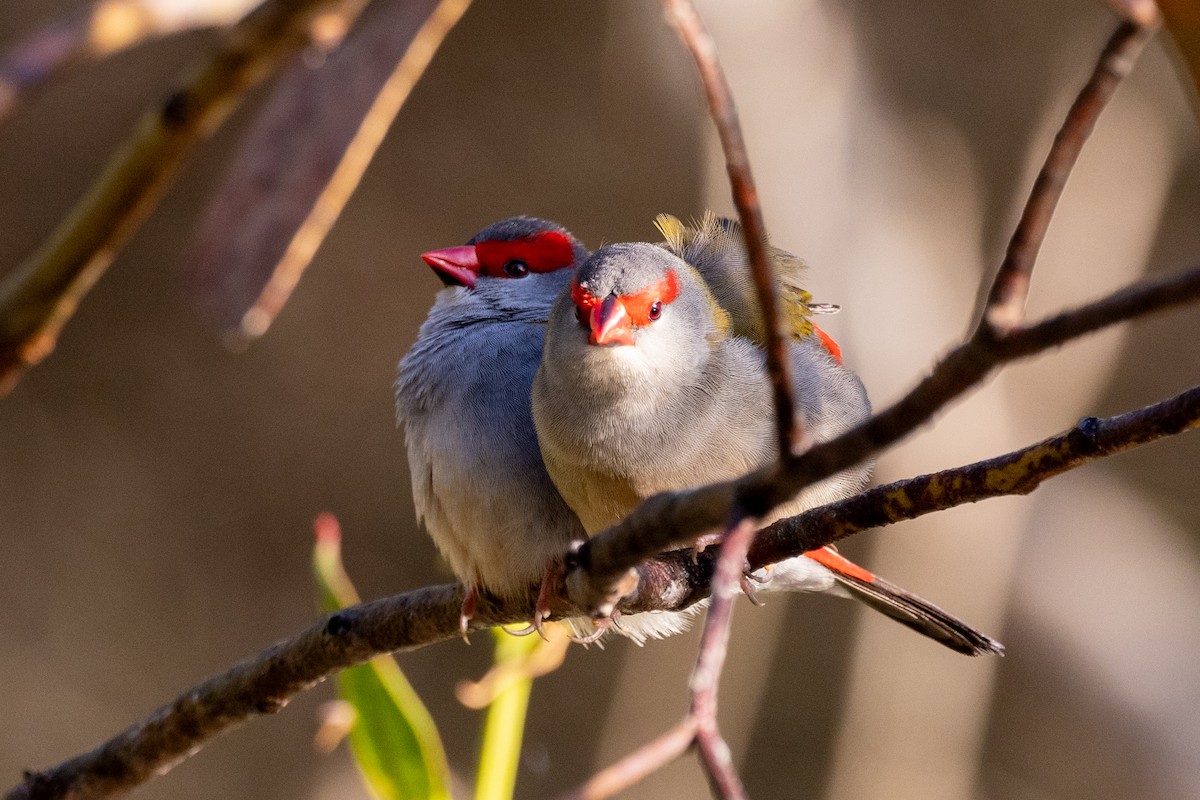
<point x="653" y="379"/>
<point x="479" y="485"/>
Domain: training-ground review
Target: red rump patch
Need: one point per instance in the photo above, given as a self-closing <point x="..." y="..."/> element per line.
<point x="636" y="304"/>
<point x="831" y="559"/>
<point x="544" y="251"/>
<point x="830" y="345"/>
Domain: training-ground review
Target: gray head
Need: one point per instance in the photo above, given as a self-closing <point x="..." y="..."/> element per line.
<point x="509" y="251"/>
<point x="637" y="294"/>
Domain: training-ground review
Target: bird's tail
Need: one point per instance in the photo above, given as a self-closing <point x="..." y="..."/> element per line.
<point x="905" y="607"/>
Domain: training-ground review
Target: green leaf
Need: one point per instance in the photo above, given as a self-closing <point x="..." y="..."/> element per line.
<point x="394" y="739"/>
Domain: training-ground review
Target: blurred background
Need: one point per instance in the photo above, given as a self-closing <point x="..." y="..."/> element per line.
<point x="157" y="491"/>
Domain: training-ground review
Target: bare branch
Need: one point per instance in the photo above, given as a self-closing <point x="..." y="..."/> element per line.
<point x="717" y="761"/>
<point x="673" y="581"/>
<point x="1015" y="473"/>
<point x="261" y="685"/>
<point x="710" y="663"/>
<point x="1006" y="303"/>
<point x="682" y="14"/>
<point x="638" y="764"/>
<point x="38" y="298"/>
<point x="674" y="519"/>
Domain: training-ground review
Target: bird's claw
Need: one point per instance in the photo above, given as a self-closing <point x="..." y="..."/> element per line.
<point x="601" y="627"/>
<point x="470" y="600"/>
<point x="750" y="587"/>
<point x="704" y="542"/>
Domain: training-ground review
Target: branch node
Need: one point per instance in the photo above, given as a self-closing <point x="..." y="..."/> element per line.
<point x="1086" y="434"/>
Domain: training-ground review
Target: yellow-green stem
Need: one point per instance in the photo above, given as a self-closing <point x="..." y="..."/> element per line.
<point x="504" y="726"/>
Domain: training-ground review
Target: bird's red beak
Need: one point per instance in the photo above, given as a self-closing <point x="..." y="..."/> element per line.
<point x="456" y="266"/>
<point x="610" y="323"/>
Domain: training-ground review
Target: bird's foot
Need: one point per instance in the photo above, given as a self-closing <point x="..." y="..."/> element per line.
<point x="602" y="626"/>
<point x="470" y="600"/>
<point x="750" y="583"/>
<point x="704" y="542"/>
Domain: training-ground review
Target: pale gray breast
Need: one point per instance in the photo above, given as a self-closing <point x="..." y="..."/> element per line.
<point x="479" y="484"/>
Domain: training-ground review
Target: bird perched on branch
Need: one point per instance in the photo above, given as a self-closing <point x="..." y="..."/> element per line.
<point x="653" y="378"/>
<point x="462" y="395"/>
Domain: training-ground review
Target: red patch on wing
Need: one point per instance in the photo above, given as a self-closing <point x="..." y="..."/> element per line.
<point x="830" y="345"/>
<point x="831" y="559"/>
<point x="637" y="304"/>
<point x="544" y="251"/>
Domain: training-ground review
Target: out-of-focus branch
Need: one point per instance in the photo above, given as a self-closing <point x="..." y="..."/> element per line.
<point x="303" y="159"/>
<point x="267" y="682"/>
<point x="101" y="29"/>
<point x="715" y="757"/>
<point x="38" y="298"/>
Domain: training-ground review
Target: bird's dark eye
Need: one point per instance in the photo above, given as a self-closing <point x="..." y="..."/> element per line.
<point x="516" y="268"/>
<point x="655" y="309"/>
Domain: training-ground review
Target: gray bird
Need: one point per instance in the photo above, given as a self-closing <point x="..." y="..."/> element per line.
<point x="653" y="378"/>
<point x="462" y="395"/>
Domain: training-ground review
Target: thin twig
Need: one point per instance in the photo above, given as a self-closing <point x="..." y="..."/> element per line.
<point x="710" y="662"/>
<point x="267" y="682"/>
<point x="1006" y="302"/>
<point x="682" y="14"/>
<point x="638" y="764"/>
<point x="40" y="296"/>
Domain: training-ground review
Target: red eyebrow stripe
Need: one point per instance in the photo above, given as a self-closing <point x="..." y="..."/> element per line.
<point x="637" y="304"/>
<point x="544" y="251"/>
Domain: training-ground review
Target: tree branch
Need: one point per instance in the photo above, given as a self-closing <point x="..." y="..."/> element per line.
<point x="638" y="764"/>
<point x="265" y="683"/>
<point x="675" y="519"/>
<point x="1015" y="473"/>
<point x="40" y="296"/>
<point x="101" y="29"/>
